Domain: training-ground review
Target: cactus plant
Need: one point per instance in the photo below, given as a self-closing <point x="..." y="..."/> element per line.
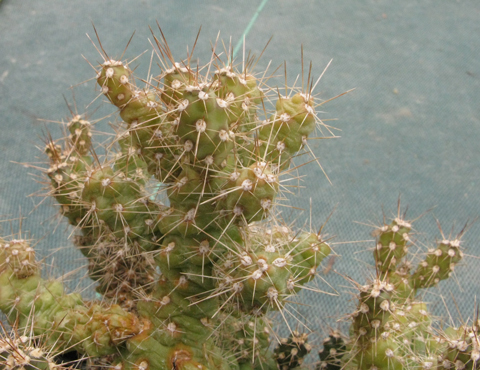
<point x="392" y="327"/>
<point x="189" y="273"/>
<point x="187" y="283"/>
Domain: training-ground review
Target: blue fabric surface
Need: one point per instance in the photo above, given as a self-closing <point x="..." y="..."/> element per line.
<point x="410" y="128"/>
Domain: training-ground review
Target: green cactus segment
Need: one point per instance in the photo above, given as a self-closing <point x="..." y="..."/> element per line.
<point x="307" y="250"/>
<point x="117" y="201"/>
<point x="462" y="348"/>
<point x="438" y="265"/>
<point x="17" y="256"/>
<point x="404" y="291"/>
<point x="285" y="133"/>
<point x="382" y="354"/>
<point x="274" y="267"/>
<point x="242" y="94"/>
<point x="392" y="327"/>
<point x="291" y="351"/>
<point x="374" y="309"/>
<point x="80" y="135"/>
<point x="183" y="337"/>
<point x="406" y="331"/>
<point x="250" y="192"/>
<point x="152" y="136"/>
<point x="92" y="329"/>
<point x="107" y="204"/>
<point x="147" y="353"/>
<point x="129" y="163"/>
<point x="251" y="339"/>
<point x="115" y="80"/>
<point x="334" y="349"/>
<point x="68" y="168"/>
<point x="392" y="245"/>
<point x="177" y="333"/>
<point x="176" y="81"/>
<point x="410" y="320"/>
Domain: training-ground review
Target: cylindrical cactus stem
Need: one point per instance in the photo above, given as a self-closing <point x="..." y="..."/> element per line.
<point x="177" y="80"/>
<point x="115" y="79"/>
<point x="283" y="134"/>
<point x="80" y="135"/>
<point x="392" y="244"/>
<point x="400" y="278"/>
<point x="120" y="203"/>
<point x="250" y="192"/>
<point x="245" y="337"/>
<point x="68" y="168"/>
<point x="242" y="93"/>
<point x="151" y="130"/>
<point x="374" y="309"/>
<point x="265" y="274"/>
<point x="438" y="265"/>
<point x="382" y="354"/>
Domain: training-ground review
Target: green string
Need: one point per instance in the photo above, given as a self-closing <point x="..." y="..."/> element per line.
<point x="249" y="27"/>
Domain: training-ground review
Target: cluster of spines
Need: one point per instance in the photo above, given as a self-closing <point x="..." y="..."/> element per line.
<point x="23" y="353"/>
<point x="461" y="348"/>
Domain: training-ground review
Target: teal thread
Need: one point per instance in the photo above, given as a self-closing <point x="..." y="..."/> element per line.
<point x="249" y="27"/>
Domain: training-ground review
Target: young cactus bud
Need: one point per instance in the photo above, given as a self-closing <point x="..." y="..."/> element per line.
<point x="391" y="244"/>
<point x="80" y="135"/>
<point x="18" y="256"/>
<point x="114" y="79"/>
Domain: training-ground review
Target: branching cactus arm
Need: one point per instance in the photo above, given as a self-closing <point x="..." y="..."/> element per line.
<point x="392" y="327"/>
